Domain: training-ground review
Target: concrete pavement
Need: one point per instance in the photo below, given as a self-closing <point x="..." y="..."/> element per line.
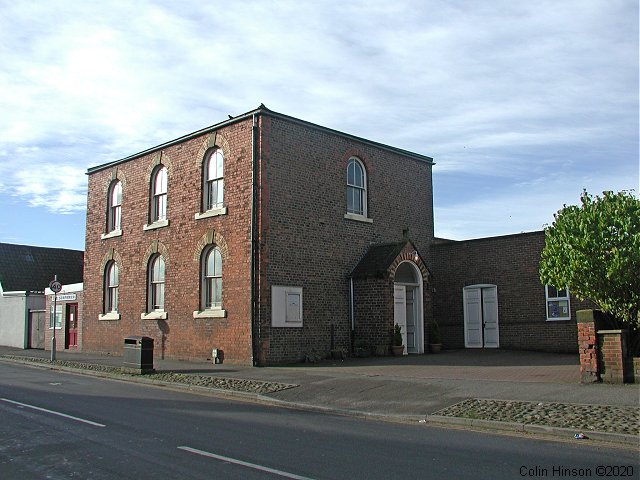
<point x="428" y="388"/>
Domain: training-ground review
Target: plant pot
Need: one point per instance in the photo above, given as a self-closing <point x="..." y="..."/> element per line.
<point x="397" y="350"/>
<point x="435" y="347"/>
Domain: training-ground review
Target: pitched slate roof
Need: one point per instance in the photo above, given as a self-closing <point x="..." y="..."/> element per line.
<point x="377" y="260"/>
<point x="262" y="110"/>
<point x="27" y="268"/>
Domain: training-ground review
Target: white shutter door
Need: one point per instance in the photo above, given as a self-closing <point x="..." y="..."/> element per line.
<point x="472" y="317"/>
<point x="490" y="314"/>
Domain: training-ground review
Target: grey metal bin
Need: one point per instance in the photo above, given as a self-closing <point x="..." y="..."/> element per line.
<point x="138" y="355"/>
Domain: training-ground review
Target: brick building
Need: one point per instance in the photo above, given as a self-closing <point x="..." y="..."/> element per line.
<point x="25" y="271"/>
<point x="263" y="236"/>
<point x="488" y="294"/>
<point x="65" y="312"/>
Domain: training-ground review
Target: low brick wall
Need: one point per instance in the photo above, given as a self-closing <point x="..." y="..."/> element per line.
<point x="604" y="354"/>
<point x="611" y="344"/>
<point x="587" y="346"/>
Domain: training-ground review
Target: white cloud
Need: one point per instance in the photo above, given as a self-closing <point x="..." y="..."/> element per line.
<point x="503" y="90"/>
<point x="60" y="189"/>
<point x="522" y="206"/>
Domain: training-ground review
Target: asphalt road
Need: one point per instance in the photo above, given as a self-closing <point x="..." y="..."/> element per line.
<point x="60" y="425"/>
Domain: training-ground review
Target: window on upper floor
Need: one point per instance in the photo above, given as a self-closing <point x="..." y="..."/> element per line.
<point x="159" y="194"/>
<point x="211" y="279"/>
<point x="356" y="188"/>
<point x="213" y="187"/>
<point x="155" y="285"/>
<point x="111" y="281"/>
<point x="114" y="207"/>
<point x="558" y="304"/>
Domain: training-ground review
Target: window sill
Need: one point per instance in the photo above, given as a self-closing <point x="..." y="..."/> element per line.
<point x="217" y="313"/>
<point x="109" y="316"/>
<point x="214" y="212"/>
<point x="358" y="218"/>
<point x="156" y="224"/>
<point x="562" y="319"/>
<point x="111" y="234"/>
<point x="158" y="315"/>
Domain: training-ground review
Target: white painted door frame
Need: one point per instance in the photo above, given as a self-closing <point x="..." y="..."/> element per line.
<point x="481" y="316"/>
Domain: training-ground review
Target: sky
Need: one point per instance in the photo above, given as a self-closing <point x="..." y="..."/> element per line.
<point x="521" y="104"/>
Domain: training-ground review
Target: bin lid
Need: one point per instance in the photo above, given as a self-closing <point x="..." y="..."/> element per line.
<point x="138" y="339"/>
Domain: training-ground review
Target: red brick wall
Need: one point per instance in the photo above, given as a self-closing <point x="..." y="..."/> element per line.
<point x="511" y="263"/>
<point x="305" y="239"/>
<point x="180" y="335"/>
<point x="373" y="308"/>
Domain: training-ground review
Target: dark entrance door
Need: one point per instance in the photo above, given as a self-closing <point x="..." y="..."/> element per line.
<point x="71" y="326"/>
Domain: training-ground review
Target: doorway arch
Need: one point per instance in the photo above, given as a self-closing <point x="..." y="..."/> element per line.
<point x="408" y="310"/>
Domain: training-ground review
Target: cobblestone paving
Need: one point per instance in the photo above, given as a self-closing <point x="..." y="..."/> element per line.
<point x="582" y="418"/>
<point x="208" y="381"/>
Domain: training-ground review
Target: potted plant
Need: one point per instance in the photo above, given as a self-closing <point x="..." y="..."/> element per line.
<point x="397" y="348"/>
<point x="435" y="342"/>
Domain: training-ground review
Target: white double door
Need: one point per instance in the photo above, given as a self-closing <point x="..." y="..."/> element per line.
<point x="481" y="316"/>
<point x="406" y="313"/>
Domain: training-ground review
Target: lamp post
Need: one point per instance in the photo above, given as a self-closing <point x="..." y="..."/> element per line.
<point x="55" y="287"/>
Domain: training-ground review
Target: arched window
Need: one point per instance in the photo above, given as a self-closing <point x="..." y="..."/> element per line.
<point x="159" y="194"/>
<point x="114" y="207"/>
<point x="356" y="188"/>
<point x="111" y="281"/>
<point x="213" y="187"/>
<point x="155" y="287"/>
<point x="211" y="282"/>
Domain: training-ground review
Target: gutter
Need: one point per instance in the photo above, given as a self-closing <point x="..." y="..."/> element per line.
<point x="255" y="320"/>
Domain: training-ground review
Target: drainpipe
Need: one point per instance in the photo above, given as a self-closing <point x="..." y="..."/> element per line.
<point x="351" y="311"/>
<point x="255" y="323"/>
<point x="26" y="320"/>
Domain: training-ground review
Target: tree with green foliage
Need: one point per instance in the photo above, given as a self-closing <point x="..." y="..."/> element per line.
<point x="594" y="249"/>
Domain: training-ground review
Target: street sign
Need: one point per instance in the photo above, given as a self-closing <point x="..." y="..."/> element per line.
<point x="55" y="286"/>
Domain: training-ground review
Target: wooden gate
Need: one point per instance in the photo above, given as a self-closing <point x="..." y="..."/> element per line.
<point x="36" y="328"/>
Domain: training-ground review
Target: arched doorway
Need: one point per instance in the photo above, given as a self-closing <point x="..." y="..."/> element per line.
<point x="408" y="311"/>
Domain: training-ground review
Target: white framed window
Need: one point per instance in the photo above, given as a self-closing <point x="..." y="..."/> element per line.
<point x="213" y="186"/>
<point x="155" y="287"/>
<point x="159" y="194"/>
<point x="558" y="303"/>
<point x="356" y="188"/>
<point x="212" y="279"/>
<point x="57" y="316"/>
<point x="210" y="284"/>
<point x="114" y="207"/>
<point x="111" y="282"/>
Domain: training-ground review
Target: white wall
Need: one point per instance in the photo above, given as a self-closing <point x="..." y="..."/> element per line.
<point x="12" y="321"/>
<point x="13" y="317"/>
